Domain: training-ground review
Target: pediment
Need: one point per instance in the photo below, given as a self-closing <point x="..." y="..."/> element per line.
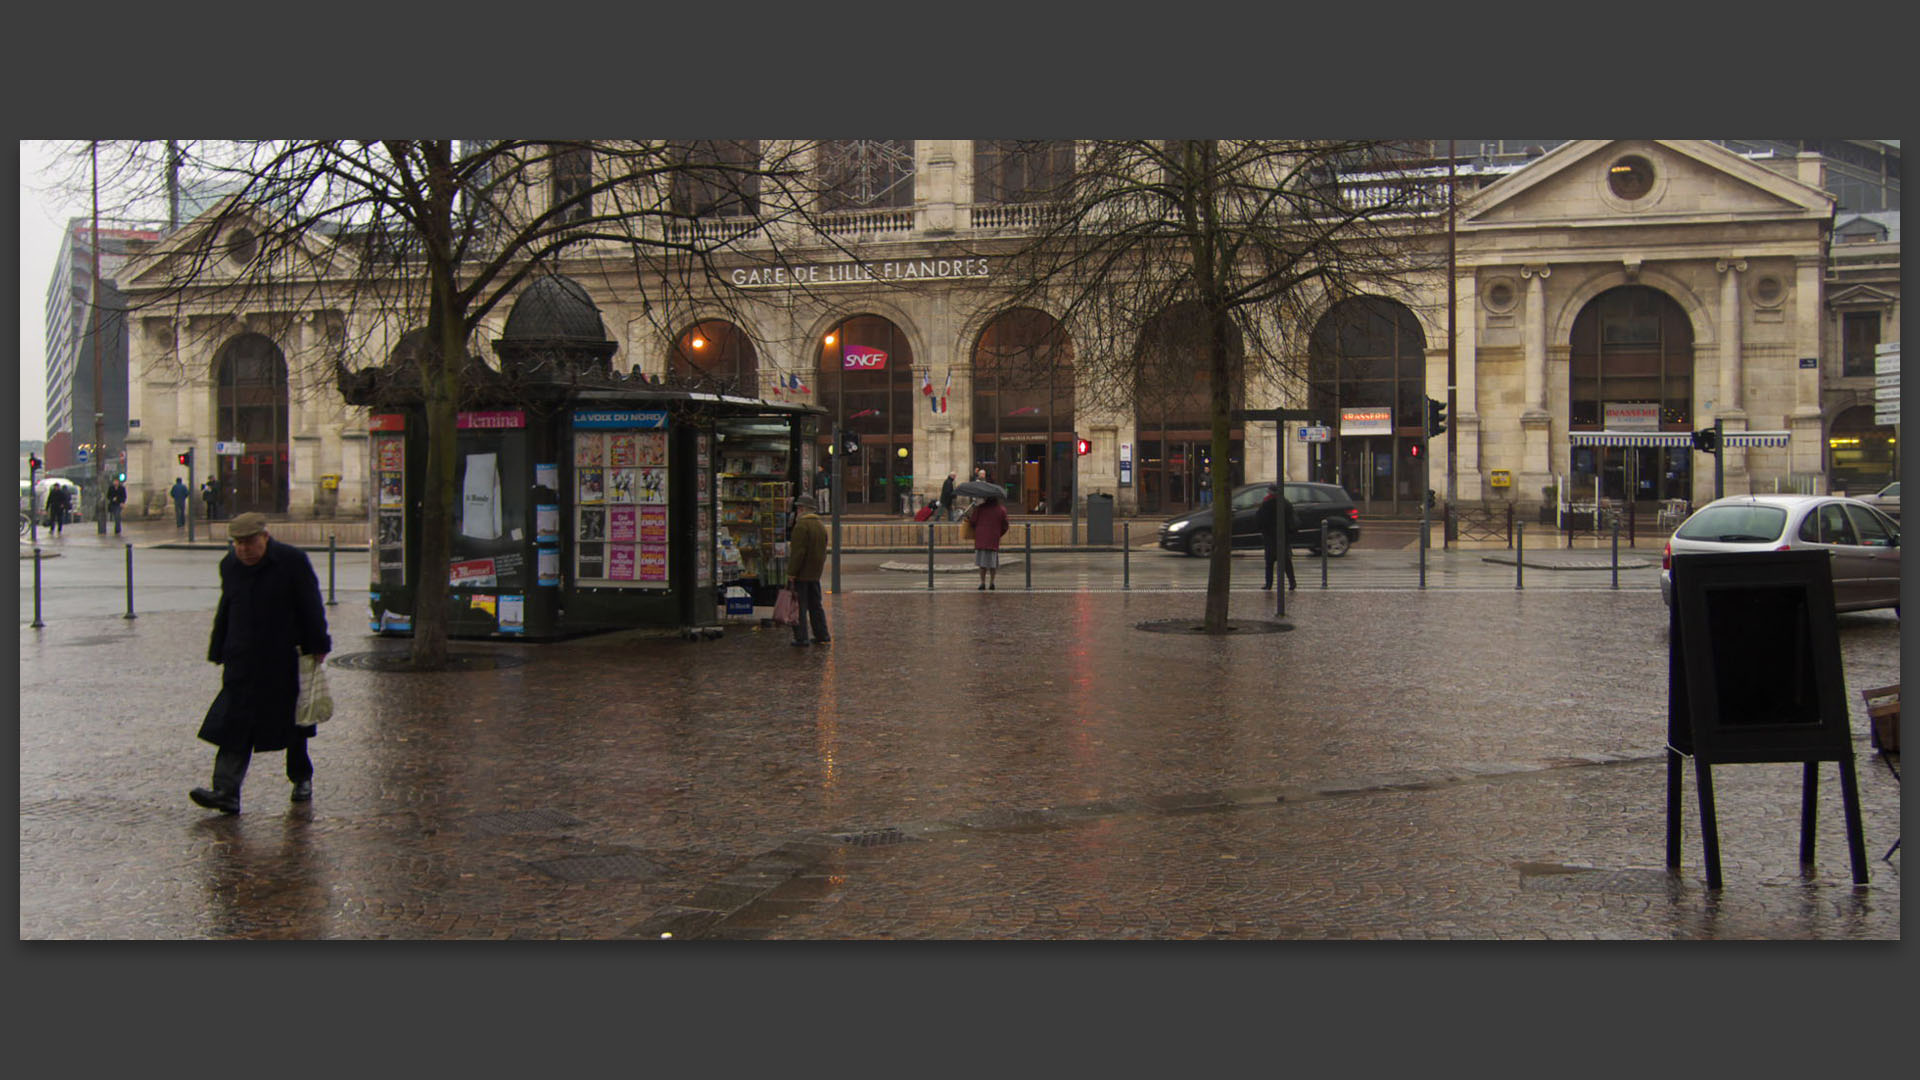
<point x="202" y="252"/>
<point x="1860" y="296"/>
<point x="1691" y="179"/>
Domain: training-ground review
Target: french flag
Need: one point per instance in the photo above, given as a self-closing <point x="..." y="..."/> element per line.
<point x="948" y="385"/>
<point x="926" y="387"/>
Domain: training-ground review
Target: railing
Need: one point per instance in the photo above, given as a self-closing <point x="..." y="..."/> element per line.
<point x="719" y="230"/>
<point x="866" y="222"/>
<point x="1485" y="523"/>
<point x="1014" y="215"/>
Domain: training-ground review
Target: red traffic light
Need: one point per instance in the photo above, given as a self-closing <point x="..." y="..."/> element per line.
<point x="1414" y="450"/>
<point x="1083" y="447"/>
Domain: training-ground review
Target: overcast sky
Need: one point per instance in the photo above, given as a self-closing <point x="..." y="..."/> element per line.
<point x="41" y="221"/>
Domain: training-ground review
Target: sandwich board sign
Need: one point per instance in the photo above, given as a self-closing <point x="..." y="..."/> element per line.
<point x="1753" y="675"/>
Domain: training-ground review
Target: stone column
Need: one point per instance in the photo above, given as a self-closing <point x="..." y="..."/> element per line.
<point x="1732" y="363"/>
<point x="1534" y="337"/>
<point x="1804" y="451"/>
<point x="1536" y="423"/>
<point x="1464" y="417"/>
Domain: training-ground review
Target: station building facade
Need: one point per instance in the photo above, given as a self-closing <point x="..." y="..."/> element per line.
<point x="1610" y="296"/>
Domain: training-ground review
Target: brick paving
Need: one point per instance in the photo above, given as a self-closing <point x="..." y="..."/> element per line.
<point x="957" y="765"/>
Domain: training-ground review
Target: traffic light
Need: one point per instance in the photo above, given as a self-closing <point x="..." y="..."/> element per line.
<point x="1083" y="447"/>
<point x="1436" y="417"/>
<point x="1413" y="450"/>
<point x="850" y="442"/>
<point x="120" y="476"/>
<point x="1707" y="441"/>
<point x="186" y="457"/>
<point x="34" y="464"/>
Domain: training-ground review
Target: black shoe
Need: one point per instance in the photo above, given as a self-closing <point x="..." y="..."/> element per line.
<point x="802" y="644"/>
<point x="993" y="586"/>
<point x="214" y="800"/>
<point x="1266" y="587"/>
<point x="823" y="641"/>
<point x="982" y="588"/>
<point x="303" y="791"/>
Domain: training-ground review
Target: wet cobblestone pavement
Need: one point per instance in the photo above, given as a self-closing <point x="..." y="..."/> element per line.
<point x="959" y="765"/>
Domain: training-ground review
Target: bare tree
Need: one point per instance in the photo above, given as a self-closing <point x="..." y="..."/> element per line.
<point x="1192" y="267"/>
<point x="421" y="240"/>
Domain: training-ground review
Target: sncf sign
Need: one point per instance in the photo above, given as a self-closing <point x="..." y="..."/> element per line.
<point x="862" y="358"/>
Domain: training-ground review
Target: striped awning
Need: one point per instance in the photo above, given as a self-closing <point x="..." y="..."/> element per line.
<point x="1673" y="438"/>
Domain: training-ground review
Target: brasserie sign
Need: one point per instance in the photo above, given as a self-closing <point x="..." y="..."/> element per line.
<point x="852" y="273"/>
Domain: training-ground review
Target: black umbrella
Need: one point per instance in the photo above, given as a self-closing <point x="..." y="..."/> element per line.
<point x="980" y="489"/>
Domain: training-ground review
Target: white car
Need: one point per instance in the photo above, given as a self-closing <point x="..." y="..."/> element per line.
<point x="1864" y="543"/>
<point x="1886" y="500"/>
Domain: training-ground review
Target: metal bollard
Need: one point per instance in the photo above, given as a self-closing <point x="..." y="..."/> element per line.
<point x="1616" y="553"/>
<point x="1519" y="554"/>
<point x="929" y="555"/>
<point x="330" y="551"/>
<point x="1126" y="555"/>
<point x="37" y="624"/>
<point x="129" y="614"/>
<point x="1029" y="559"/>
<point x="1323" y="553"/>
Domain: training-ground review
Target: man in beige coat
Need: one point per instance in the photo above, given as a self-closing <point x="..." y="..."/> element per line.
<point x="806" y="557"/>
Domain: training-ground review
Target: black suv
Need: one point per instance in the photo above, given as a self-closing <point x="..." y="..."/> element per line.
<point x="1312" y="504"/>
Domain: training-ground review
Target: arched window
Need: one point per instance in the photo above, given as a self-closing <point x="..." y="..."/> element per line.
<point x="1023" y="423"/>
<point x="1367" y="363"/>
<point x="1173" y="414"/>
<point x="715" y="356"/>
<point x="865" y="174"/>
<point x="867" y="386"/>
<point x="250" y="372"/>
<point x="716" y="178"/>
<point x="1021" y="170"/>
<point x="572" y="176"/>
<point x="1630" y="359"/>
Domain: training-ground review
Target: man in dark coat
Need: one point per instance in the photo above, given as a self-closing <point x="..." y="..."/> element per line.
<point x="946" y="499"/>
<point x="806" y="557"/>
<point x="1274" y="513"/>
<point x="116" y="501"/>
<point x="179" y="492"/>
<point x="59" y="502"/>
<point x="270" y="612"/>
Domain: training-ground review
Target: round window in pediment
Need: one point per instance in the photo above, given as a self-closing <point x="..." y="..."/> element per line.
<point x="1631" y="177"/>
<point x="242" y="246"/>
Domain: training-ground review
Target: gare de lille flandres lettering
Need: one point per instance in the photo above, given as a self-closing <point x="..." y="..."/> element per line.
<point x="848" y="272"/>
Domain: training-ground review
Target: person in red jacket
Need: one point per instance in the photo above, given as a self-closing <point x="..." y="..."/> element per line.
<point x="989" y="525"/>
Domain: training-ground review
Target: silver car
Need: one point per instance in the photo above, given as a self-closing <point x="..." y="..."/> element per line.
<point x="1864" y="543"/>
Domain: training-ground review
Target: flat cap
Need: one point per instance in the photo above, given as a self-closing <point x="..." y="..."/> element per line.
<point x="247" y="524"/>
<point x="806" y="501"/>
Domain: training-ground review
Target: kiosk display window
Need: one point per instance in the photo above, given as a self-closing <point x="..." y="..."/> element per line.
<point x="755" y="470"/>
<point x="620" y="497"/>
<point x="492" y="493"/>
<point x="388" y="507"/>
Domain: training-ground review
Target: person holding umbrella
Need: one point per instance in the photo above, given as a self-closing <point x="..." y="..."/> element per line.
<point x="989" y="525"/>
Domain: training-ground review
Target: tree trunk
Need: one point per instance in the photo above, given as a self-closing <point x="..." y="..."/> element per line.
<point x="440" y="384"/>
<point x="441" y="375"/>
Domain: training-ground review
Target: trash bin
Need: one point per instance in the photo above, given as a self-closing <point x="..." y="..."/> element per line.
<point x="1099" y="518"/>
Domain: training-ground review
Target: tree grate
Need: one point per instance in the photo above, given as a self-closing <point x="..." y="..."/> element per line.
<point x="521" y="821"/>
<point x="400" y="662"/>
<point x="621" y="867"/>
<point x="1599" y="881"/>
<point x="1235" y="627"/>
<point x="871" y="838"/>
